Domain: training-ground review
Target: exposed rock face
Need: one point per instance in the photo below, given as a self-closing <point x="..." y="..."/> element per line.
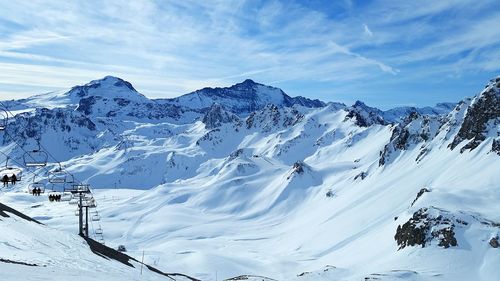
<point x="364" y="115"/>
<point x="361" y="176"/>
<point x="298" y="167"/>
<point x="216" y="116"/>
<point x="482" y="118"/>
<point x="495" y="147"/>
<point x="426" y="225"/>
<point x="273" y="117"/>
<point x="419" y="194"/>
<point x="494" y="242"/>
<point x="415" y="129"/>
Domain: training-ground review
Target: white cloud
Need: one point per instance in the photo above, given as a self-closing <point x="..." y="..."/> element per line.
<point x="172" y="47"/>
<point x="367" y="30"/>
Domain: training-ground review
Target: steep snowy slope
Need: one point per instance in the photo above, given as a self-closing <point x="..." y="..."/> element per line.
<point x="31" y="251"/>
<point x="330" y="192"/>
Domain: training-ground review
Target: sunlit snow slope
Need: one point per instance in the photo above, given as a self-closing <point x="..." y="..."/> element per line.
<point x="296" y="190"/>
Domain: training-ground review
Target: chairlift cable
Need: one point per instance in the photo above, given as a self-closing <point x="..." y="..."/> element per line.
<point x="76" y="181"/>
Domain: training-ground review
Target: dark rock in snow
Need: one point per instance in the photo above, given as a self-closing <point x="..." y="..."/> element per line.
<point x="420" y="193"/>
<point x="425" y="226"/>
<point x="364" y="115"/>
<point x="495" y="146"/>
<point x="298" y="167"/>
<point x="361" y="176"/>
<point x="494" y="242"/>
<point x="483" y="112"/>
<point x="216" y="116"/>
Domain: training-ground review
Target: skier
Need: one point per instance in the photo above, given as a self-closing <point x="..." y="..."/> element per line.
<point x="5" y="180"/>
<point x="13" y="179"/>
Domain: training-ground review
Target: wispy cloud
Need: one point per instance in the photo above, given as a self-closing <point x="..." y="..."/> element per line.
<point x="168" y="48"/>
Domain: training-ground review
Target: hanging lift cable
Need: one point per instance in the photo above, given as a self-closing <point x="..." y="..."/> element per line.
<point x="40" y="145"/>
<point x="41" y="148"/>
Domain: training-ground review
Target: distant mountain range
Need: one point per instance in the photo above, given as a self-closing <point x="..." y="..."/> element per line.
<point x="247" y="179"/>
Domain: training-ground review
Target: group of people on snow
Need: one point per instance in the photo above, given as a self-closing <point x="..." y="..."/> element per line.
<point x="6" y="179"/>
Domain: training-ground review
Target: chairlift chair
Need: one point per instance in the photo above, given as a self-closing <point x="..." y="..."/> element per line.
<point x="35" y="158"/>
<point x="96" y="217"/>
<point x="73" y="201"/>
<point x="4" y="118"/>
<point x="60" y="176"/>
<point x="90" y="203"/>
<point x="98" y="231"/>
<point x="78" y="188"/>
<point x="66" y="196"/>
<point x="37" y="185"/>
<point x="10" y="172"/>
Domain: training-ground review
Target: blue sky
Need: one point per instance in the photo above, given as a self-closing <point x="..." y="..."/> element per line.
<point x="386" y="53"/>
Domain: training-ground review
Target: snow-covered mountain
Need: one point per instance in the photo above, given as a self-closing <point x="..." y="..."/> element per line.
<point x="247" y="181"/>
<point x="242" y="98"/>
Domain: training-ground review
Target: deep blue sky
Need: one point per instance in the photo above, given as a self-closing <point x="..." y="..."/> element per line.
<point x="386" y="53"/>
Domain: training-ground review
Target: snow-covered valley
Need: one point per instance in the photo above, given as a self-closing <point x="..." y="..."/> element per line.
<point x="245" y="180"/>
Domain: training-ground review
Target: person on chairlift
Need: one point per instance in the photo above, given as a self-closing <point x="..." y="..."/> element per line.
<point x="5" y="180"/>
<point x="13" y="179"/>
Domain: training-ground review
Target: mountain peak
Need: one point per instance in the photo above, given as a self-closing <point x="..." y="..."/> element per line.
<point x="249" y="81"/>
<point x="107" y="87"/>
<point x="242" y="98"/>
<point x="111" y="80"/>
<point x="248" y="84"/>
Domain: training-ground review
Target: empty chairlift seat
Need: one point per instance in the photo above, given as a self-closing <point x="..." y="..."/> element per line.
<point x="35" y="158"/>
<point x="78" y="188"/>
<point x="98" y="231"/>
<point x="96" y="217"/>
<point x="60" y="176"/>
<point x="66" y="196"/>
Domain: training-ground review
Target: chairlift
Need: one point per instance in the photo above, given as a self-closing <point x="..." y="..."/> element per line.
<point x="35" y="158"/>
<point x="73" y="201"/>
<point x="90" y="203"/>
<point x="78" y="188"/>
<point x="59" y="175"/>
<point x="98" y="231"/>
<point x="77" y="212"/>
<point x="36" y="185"/>
<point x="7" y="173"/>
<point x="66" y="197"/>
<point x="96" y="217"/>
<point x="4" y="117"/>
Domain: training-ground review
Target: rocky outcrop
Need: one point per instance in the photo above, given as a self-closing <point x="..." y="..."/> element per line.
<point x="427" y="225"/>
<point x="365" y="116"/>
<point x="216" y="116"/>
<point x="273" y="117"/>
<point x="415" y="129"/>
<point x="361" y="176"/>
<point x="419" y="194"/>
<point x="494" y="242"/>
<point x="495" y="146"/>
<point x="481" y="120"/>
